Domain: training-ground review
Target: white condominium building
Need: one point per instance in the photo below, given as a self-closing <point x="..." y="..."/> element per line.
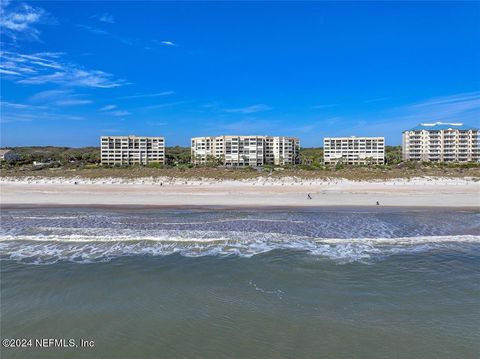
<point x="241" y="151"/>
<point x="441" y="142"/>
<point x="129" y="150"/>
<point x="282" y="150"/>
<point x="354" y="150"/>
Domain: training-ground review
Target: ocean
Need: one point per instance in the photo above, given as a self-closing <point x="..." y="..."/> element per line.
<point x="245" y="283"/>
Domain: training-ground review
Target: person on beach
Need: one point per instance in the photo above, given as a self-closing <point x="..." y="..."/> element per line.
<point x="378" y="203"/>
<point x="308" y="196"/>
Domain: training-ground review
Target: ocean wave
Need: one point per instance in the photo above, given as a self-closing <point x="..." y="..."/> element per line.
<point x="49" y="218"/>
<point x="46" y="217"/>
<point x="81" y="248"/>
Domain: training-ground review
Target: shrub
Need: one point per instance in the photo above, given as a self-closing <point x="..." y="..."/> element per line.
<point x="154" y="165"/>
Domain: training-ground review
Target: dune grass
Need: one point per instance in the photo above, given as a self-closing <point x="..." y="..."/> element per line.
<point x="351" y="173"/>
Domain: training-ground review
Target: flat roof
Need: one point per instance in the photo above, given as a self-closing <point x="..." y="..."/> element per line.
<point x="132" y="136"/>
<point x="235" y="136"/>
<point x="354" y="138"/>
<point x="437" y="126"/>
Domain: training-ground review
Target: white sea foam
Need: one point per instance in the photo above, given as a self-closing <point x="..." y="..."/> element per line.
<point x="279" y="293"/>
<point x="43" y="217"/>
<point x="45" y="249"/>
<point x="227" y="220"/>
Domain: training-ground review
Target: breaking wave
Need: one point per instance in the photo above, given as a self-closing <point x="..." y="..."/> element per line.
<point x="51" y="235"/>
<point x="90" y="247"/>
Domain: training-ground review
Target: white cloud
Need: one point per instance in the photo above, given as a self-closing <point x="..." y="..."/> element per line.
<point x="72" y="102"/>
<point x="213" y="105"/>
<point x="130" y="41"/>
<point x="108" y="107"/>
<point x="106" y="17"/>
<point x="462" y="107"/>
<point x="21" y="20"/>
<point x="9" y="72"/>
<point x="75" y="77"/>
<point x="49" y="95"/>
<point x="163" y="105"/>
<point x="96" y="30"/>
<point x="112" y="110"/>
<point x="455" y="103"/>
<point x="249" y="125"/>
<point x="249" y="109"/>
<point x="168" y="43"/>
<point x="457" y="108"/>
<point x="151" y="123"/>
<point x="93" y="29"/>
<point x="64" y="97"/>
<point x="119" y="113"/>
<point x="15" y="112"/>
<point x="164" y="93"/>
<point x="42" y="116"/>
<point x="44" y="68"/>
<point x="19" y="105"/>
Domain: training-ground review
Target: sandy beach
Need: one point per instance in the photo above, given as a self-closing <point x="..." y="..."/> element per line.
<point x="265" y="191"/>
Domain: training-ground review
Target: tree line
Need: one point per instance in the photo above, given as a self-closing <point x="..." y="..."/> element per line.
<point x="177" y="156"/>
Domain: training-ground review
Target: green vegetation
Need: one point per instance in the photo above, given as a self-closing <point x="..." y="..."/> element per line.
<point x="68" y="162"/>
<point x="177" y="155"/>
<point x="311" y="158"/>
<point x="62" y="155"/>
<point x="84" y="156"/>
<point x="393" y="154"/>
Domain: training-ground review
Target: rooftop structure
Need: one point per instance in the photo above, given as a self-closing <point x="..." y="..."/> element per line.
<point x="437" y="126"/>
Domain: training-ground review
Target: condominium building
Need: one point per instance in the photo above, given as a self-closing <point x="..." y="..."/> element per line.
<point x="241" y="151"/>
<point x="441" y="142"/>
<point x="354" y="150"/>
<point x="129" y="150"/>
<point x="282" y="150"/>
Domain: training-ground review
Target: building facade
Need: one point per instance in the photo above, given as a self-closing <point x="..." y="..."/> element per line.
<point x="441" y="142"/>
<point x="282" y="150"/>
<point x="242" y="151"/>
<point x="8" y="155"/>
<point x="354" y="150"/>
<point x="130" y="150"/>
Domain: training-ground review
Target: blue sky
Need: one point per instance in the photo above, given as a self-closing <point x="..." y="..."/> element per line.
<point x="72" y="71"/>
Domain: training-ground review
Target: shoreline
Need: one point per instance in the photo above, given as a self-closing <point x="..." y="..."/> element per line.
<point x="130" y="207"/>
<point x="259" y="193"/>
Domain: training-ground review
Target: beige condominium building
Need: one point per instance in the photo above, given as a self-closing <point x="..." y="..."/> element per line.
<point x="241" y="151"/>
<point x="129" y="150"/>
<point x="441" y="142"/>
<point x="354" y="150"/>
